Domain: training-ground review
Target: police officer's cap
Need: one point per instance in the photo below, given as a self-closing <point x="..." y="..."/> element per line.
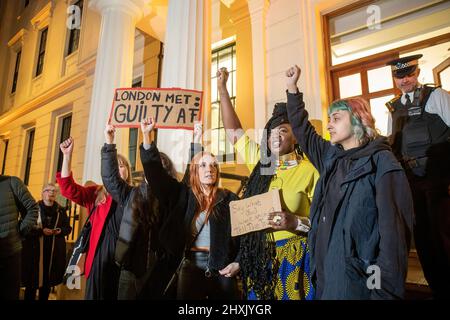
<point x="404" y="66"/>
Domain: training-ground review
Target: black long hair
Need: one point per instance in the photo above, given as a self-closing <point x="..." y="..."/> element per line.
<point x="258" y="262"/>
<point x="145" y="206"/>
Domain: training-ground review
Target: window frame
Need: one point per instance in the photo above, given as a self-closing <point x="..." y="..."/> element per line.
<point x="41" y="51"/>
<point x="5" y="154"/>
<point x="374" y="61"/>
<point x="226" y="157"/>
<point x="75" y="33"/>
<point x="62" y="136"/>
<point x="133" y="145"/>
<point x="30" y="135"/>
<point x="362" y="69"/>
<point x="16" y="71"/>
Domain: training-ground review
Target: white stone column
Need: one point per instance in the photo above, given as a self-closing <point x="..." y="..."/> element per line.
<point x="309" y="81"/>
<point x="114" y="69"/>
<point x="185" y="65"/>
<point x="257" y="11"/>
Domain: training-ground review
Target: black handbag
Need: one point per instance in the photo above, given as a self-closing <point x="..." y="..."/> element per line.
<point x="80" y="248"/>
<point x="171" y="285"/>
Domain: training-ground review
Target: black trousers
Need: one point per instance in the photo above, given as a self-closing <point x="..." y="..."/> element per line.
<point x="431" y="211"/>
<point x="131" y="286"/>
<point x="193" y="284"/>
<point x="10" y="277"/>
<point x="30" y="293"/>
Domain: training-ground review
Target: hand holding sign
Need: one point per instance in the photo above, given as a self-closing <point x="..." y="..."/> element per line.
<point x="283" y="220"/>
<point x="198" y="131"/>
<point x="109" y="132"/>
<point x="251" y="214"/>
<point x="147" y="126"/>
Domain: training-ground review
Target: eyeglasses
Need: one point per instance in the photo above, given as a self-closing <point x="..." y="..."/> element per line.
<point x="50" y="190"/>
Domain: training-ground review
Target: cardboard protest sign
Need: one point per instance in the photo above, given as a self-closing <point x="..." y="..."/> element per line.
<point x="250" y="214"/>
<point x="170" y="107"/>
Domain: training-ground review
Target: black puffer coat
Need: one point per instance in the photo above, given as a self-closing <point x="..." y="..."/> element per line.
<point x="180" y="200"/>
<point x="139" y="248"/>
<point x="15" y="202"/>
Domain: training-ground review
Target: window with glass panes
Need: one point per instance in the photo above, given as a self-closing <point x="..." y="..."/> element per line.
<point x="74" y="36"/>
<point x="16" y="71"/>
<point x="30" y="136"/>
<point x="222" y="57"/>
<point x="5" y="152"/>
<point x="356" y="54"/>
<point x="66" y="123"/>
<point x="41" y="53"/>
<point x="133" y="134"/>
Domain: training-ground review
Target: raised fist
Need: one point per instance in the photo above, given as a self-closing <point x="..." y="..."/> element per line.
<point x="292" y="75"/>
<point x="222" y="77"/>
<point x="67" y="146"/>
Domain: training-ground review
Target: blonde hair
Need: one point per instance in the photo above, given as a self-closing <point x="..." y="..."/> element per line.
<point x="49" y="184"/>
<point x="100" y="192"/>
<point x="101" y="195"/>
<point x="124" y="161"/>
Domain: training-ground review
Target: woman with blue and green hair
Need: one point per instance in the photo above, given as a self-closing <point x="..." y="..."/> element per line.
<point x="362" y="211"/>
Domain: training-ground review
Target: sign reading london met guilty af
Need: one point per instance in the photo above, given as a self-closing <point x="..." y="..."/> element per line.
<point x="170" y="107"/>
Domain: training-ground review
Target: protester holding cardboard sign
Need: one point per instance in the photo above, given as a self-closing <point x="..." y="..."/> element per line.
<point x="209" y="265"/>
<point x="144" y="257"/>
<point x="250" y="214"/>
<point x="276" y="164"/>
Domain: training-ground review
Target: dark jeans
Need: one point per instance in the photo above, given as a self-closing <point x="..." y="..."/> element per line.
<point x="30" y="293"/>
<point x="10" y="277"/>
<point x="193" y="284"/>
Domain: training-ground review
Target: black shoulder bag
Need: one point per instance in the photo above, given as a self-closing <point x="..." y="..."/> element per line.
<point x="81" y="246"/>
<point x="174" y="277"/>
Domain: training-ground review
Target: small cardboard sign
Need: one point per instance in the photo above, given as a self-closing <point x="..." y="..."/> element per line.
<point x="170" y="107"/>
<point x="250" y="214"/>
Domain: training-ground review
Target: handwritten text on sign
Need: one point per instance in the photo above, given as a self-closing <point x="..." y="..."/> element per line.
<point x="171" y="108"/>
<point x="251" y="214"/>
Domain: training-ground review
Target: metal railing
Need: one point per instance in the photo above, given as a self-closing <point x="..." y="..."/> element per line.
<point x="73" y="211"/>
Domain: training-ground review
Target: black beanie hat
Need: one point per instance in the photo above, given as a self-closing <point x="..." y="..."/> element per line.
<point x="279" y="116"/>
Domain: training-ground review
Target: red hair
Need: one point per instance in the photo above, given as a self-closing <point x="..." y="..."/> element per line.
<point x="361" y="109"/>
<point x="205" y="201"/>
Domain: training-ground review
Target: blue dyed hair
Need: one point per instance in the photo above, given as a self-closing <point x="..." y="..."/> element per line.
<point x="362" y="121"/>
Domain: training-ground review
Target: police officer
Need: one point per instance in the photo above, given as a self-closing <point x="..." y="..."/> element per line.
<point x="420" y="138"/>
